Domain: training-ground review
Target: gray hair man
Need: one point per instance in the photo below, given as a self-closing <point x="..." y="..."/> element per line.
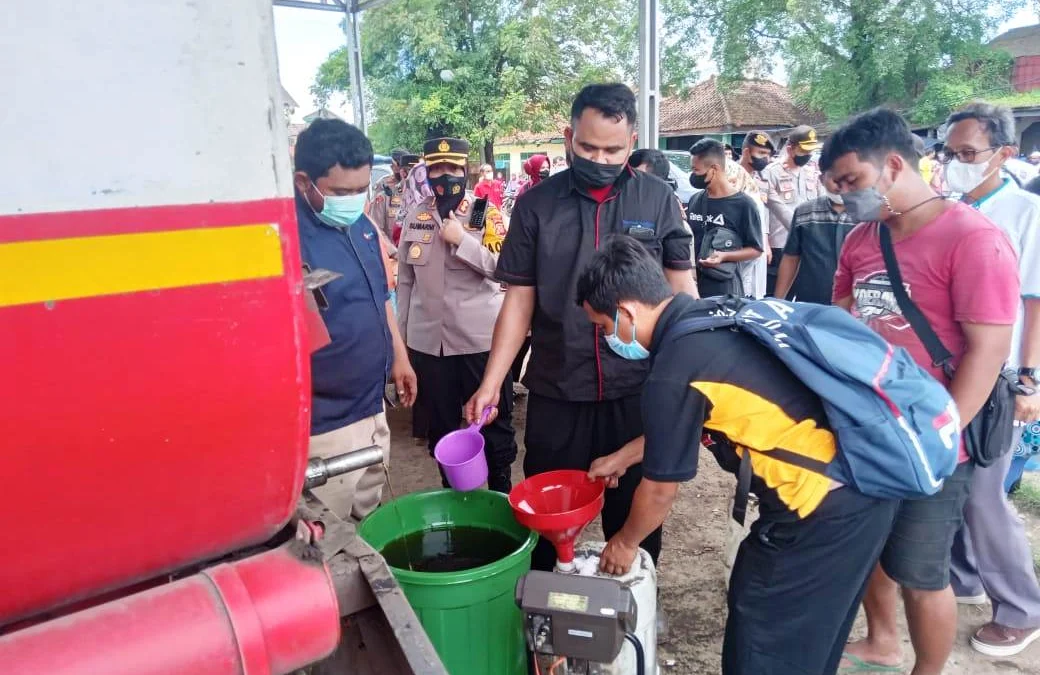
<point x="991" y="555"/>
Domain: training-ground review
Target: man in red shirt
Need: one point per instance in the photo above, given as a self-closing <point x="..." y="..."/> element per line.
<point x="961" y="271"/>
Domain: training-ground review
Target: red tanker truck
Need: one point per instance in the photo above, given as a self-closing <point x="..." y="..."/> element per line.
<point x="154" y="349"/>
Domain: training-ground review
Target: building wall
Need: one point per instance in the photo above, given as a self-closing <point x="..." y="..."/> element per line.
<point x="683" y="143"/>
<point x="519" y="152"/>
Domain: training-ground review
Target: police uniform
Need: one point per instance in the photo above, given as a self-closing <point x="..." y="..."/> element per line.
<point x="760" y="140"/>
<point x="386" y="203"/>
<point x="448" y="302"/>
<point x="787" y="187"/>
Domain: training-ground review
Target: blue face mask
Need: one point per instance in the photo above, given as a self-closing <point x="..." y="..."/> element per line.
<point x="633" y="351"/>
<point x="341" y="211"/>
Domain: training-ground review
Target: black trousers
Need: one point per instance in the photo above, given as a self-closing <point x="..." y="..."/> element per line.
<point x="518" y="363"/>
<point x="569" y="435"/>
<point x="445" y="384"/>
<point x="772" y="270"/>
<point x="796" y="586"/>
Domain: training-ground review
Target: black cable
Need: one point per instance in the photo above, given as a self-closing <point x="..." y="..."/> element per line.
<point x="640" y="657"/>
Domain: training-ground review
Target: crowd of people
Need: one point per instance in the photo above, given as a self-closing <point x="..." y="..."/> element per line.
<point x="595" y="267"/>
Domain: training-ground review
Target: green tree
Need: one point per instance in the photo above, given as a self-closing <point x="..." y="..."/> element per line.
<point x="510" y="65"/>
<point x="847" y="55"/>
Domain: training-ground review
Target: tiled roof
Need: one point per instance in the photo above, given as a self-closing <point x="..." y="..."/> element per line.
<point x="744" y="105"/>
<point x="1018" y="42"/>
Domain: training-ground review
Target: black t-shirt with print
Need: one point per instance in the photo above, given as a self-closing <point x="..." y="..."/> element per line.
<point x="738" y="213"/>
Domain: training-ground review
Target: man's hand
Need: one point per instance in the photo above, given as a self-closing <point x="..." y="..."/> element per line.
<point x="769" y="255"/>
<point x="714" y="260"/>
<point x="484" y="397"/>
<point x="617" y="556"/>
<point x="1027" y="408"/>
<point x="405" y="380"/>
<point x="610" y="467"/>
<point x="451" y="230"/>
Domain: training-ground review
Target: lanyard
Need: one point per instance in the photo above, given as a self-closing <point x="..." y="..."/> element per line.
<point x="978" y="204"/>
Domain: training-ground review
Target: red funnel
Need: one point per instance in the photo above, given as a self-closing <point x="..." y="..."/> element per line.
<point x="558" y="505"/>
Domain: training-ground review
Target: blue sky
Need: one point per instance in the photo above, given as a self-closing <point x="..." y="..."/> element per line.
<point x="307" y="37"/>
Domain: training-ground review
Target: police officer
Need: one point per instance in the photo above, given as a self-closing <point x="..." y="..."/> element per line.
<point x="448" y="301"/>
<point x="793" y="180"/>
<point x="755" y="155"/>
<point x="386" y="200"/>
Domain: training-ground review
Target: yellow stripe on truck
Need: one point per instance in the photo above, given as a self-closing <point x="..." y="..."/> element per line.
<point x="82" y="267"/>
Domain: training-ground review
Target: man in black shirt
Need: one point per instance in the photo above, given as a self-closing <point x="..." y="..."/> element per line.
<point x="584" y="399"/>
<point x="818" y="230"/>
<point x="799" y="576"/>
<point x="725" y="222"/>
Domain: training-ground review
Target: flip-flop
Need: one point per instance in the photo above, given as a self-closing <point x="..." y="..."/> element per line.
<point x="860" y="666"/>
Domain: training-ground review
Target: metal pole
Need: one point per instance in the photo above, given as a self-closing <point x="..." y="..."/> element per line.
<point x="352" y="28"/>
<point x="649" y="74"/>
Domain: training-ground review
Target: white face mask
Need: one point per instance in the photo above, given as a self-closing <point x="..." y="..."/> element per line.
<point x="835" y="198"/>
<point x="964" y="178"/>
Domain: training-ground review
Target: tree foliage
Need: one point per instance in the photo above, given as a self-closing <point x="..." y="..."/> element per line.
<point x="512" y="65"/>
<point x="847" y="55"/>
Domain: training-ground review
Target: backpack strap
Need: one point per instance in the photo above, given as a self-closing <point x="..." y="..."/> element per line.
<point x="740" y="499"/>
<point x="941" y="356"/>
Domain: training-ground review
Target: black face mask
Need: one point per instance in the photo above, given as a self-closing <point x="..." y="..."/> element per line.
<point x="699" y="181"/>
<point x="759" y="163"/>
<point x="544" y="173"/>
<point x="448" y="191"/>
<point x="591" y="175"/>
<point x="802" y="160"/>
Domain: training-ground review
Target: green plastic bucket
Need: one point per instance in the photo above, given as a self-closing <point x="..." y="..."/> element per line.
<point x="470" y="616"/>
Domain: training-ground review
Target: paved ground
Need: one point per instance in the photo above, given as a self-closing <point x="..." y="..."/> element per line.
<point x="691" y="570"/>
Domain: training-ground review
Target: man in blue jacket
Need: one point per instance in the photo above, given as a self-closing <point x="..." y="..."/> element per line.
<point x="333" y="170"/>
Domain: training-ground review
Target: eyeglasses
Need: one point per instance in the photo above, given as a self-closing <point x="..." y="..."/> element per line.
<point x="967" y="155"/>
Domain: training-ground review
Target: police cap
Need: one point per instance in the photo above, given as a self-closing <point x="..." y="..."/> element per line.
<point x="447" y="150"/>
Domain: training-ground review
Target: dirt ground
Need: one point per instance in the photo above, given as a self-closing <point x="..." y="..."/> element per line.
<point x="691" y="566"/>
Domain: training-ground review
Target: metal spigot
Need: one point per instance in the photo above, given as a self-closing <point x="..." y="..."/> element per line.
<point x="319" y="470"/>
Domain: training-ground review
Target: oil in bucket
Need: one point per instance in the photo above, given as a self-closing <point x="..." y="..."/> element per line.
<point x="450" y="549"/>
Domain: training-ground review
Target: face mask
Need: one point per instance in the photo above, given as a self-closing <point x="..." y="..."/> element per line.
<point x="964" y="178"/>
<point x="802" y="160"/>
<point x="544" y="173"/>
<point x="341" y="211"/>
<point x="449" y="191"/>
<point x="759" y="163"/>
<point x="699" y="181"/>
<point x="835" y="199"/>
<point x="593" y="175"/>
<point x="632" y="351"/>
